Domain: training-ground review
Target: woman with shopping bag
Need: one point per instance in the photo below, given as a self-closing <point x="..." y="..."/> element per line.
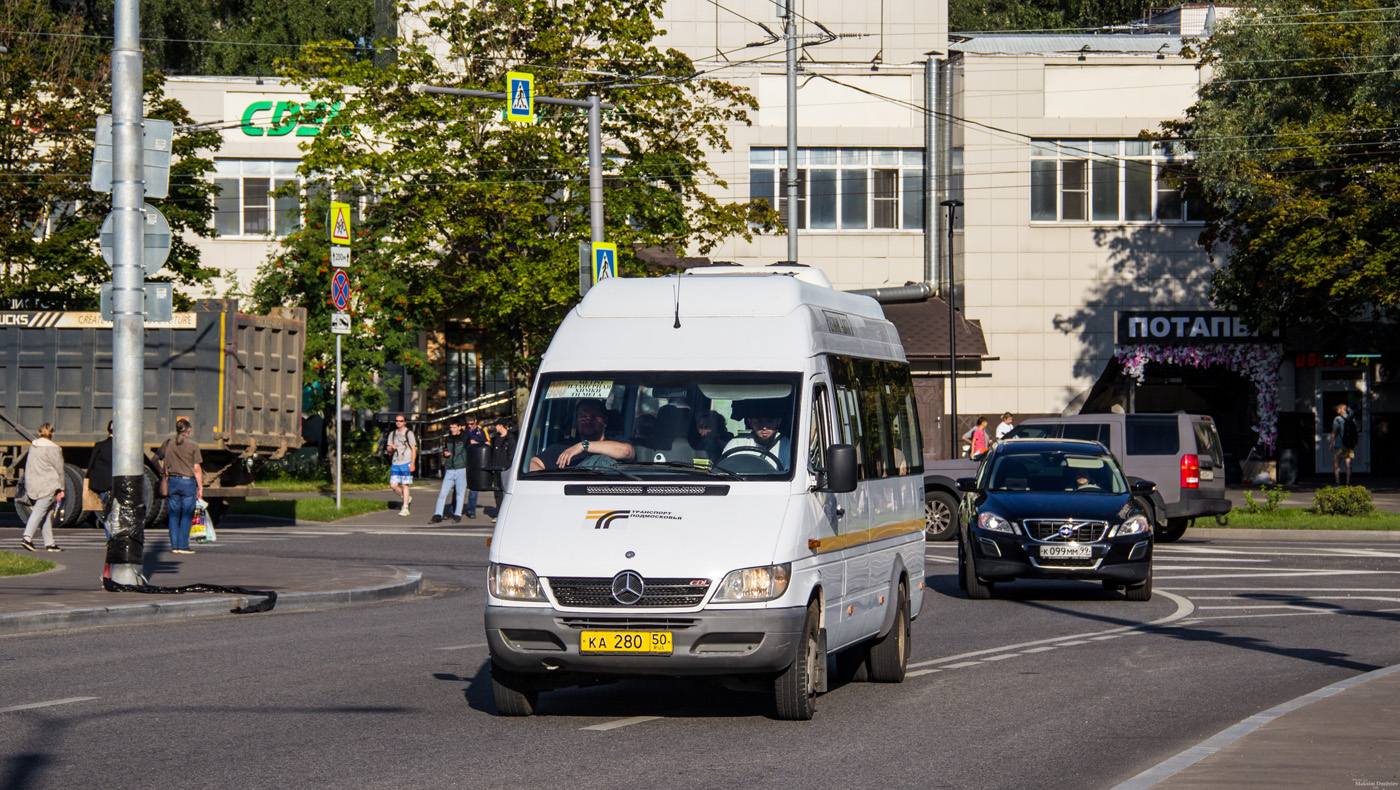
<point x="181" y="459"/>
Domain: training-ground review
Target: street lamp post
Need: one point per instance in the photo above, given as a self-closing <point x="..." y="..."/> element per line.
<point x="952" y="206"/>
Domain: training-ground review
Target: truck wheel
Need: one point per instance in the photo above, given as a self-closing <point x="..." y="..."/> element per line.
<point x="155" y="504"/>
<point x="1141" y="591"/>
<point x="1172" y="532"/>
<point x="940" y="515"/>
<point x="515" y="694"/>
<point x="889" y="655"/>
<point x="795" y="690"/>
<point x="71" y="509"/>
<point x="977" y="589"/>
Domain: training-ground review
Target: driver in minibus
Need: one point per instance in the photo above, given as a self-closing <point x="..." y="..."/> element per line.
<point x="590" y="419"/>
<point x="765" y="435"/>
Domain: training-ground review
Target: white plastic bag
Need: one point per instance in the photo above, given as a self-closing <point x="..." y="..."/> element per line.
<point x="201" y="528"/>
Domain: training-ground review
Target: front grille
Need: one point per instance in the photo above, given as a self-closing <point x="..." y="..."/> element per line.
<point x="629" y="623"/>
<point x="1047" y="530"/>
<point x="585" y="591"/>
<point x="1066" y="562"/>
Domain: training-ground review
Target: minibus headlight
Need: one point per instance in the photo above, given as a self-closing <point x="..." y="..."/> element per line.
<point x="754" y="584"/>
<point x="1137" y="525"/>
<point x="513" y="583"/>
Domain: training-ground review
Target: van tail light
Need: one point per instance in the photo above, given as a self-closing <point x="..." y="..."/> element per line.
<point x="1190" y="471"/>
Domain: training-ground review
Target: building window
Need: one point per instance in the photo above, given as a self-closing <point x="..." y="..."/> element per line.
<point x="245" y="205"/>
<point x="468" y="374"/>
<point x="844" y="188"/>
<point x="1103" y="181"/>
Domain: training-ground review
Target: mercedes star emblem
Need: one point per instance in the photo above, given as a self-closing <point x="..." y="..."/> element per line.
<point x="627" y="587"/>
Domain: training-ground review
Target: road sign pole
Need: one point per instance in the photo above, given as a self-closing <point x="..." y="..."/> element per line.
<point x="595" y="168"/>
<point x="339" y="423"/>
<point x="123" y="558"/>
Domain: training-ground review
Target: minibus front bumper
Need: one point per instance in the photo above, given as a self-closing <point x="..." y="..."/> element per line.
<point x="545" y="640"/>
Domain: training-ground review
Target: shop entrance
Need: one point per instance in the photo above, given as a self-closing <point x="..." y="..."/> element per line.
<point x="1334" y="386"/>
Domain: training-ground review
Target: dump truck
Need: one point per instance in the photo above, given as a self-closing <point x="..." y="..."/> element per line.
<point x="236" y="376"/>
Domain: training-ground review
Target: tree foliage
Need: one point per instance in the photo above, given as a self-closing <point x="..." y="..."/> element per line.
<point x="54" y="82"/>
<point x="477" y="219"/>
<point x="1003" y="15"/>
<point x="1296" y="161"/>
<point x="237" y="37"/>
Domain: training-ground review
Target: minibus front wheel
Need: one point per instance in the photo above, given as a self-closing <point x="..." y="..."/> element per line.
<point x="795" y="690"/>
<point x="515" y="694"/>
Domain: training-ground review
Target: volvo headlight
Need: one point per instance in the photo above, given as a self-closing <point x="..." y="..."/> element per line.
<point x="1136" y="525"/>
<point x="754" y="584"/>
<point x="994" y="523"/>
<point x="513" y="583"/>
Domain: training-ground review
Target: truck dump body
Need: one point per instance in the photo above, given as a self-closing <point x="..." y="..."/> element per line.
<point x="236" y="376"/>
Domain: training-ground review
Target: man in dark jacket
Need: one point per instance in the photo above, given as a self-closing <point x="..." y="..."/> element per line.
<point x="454" y="478"/>
<point x="502" y="453"/>
<point x="99" y="474"/>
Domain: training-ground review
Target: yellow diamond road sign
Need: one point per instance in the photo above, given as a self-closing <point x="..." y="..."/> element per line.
<point x="520" y="97"/>
<point x="340" y="223"/>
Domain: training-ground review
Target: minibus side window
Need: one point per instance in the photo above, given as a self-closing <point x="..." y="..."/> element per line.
<point x="821" y="431"/>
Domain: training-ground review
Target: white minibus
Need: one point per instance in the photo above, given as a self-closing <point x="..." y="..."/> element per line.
<point x="719" y="473"/>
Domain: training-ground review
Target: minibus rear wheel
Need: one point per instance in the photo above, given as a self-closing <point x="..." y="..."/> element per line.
<point x="795" y="690"/>
<point x="515" y="694"/>
<point x="889" y="655"/>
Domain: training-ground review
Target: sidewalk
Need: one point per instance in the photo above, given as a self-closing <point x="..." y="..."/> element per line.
<point x="1385" y="492"/>
<point x="1341" y="736"/>
<point x="72" y="595"/>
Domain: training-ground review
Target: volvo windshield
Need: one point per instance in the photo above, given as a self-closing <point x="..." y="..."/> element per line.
<point x="662" y="424"/>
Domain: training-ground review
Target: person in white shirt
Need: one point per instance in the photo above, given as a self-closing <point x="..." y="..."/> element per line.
<point x="1005" y="427"/>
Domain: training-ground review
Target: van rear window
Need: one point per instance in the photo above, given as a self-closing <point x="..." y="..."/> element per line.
<point x="1152" y="435"/>
<point x="1208" y="443"/>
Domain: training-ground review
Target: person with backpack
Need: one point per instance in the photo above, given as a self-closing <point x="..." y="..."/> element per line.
<point x="402" y="447"/>
<point x="1345" y="434"/>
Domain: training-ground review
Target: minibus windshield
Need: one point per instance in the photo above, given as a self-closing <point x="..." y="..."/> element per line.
<point x="732" y="425"/>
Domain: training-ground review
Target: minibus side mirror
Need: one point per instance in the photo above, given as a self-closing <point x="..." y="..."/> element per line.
<point x="840" y="472"/>
<point x="479" y="469"/>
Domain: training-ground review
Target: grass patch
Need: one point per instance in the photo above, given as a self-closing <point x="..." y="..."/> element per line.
<point x="312" y="509"/>
<point x="20" y="564"/>
<point x="1306" y="518"/>
<point x="303" y="486"/>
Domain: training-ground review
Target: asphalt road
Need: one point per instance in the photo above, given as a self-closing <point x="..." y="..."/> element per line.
<point x="1051" y="684"/>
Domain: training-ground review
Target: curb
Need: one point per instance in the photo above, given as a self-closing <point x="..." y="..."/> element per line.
<point x="1174" y="765"/>
<point x="411" y="583"/>
<point x="1348" y="535"/>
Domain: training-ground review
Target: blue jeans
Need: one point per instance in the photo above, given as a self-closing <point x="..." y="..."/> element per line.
<point x="455" y="478"/>
<point x="179" y="509"/>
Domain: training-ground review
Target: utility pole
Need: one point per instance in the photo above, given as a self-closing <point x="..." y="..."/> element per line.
<point x="128" y="299"/>
<point x="790" y="37"/>
<point x="952" y="206"/>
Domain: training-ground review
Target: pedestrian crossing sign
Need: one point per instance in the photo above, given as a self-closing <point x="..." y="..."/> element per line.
<point x="520" y="97"/>
<point x="604" y="261"/>
<point x="340" y="223"/>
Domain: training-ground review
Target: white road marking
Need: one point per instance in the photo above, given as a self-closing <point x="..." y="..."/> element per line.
<point x="49" y="704"/>
<point x="1184" y="608"/>
<point x="1001" y="657"/>
<point x="1290" y="573"/>
<point x="462" y="647"/>
<point x="1041" y="649"/>
<point x="612" y="725"/>
<point x="960" y="665"/>
<point x="919" y="672"/>
<point x="940" y="559"/>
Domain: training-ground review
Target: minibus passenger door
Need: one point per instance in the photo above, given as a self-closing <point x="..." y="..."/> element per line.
<point x="827" y="513"/>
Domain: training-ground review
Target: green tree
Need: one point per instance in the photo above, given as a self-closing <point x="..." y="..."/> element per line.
<point x="1295" y="162"/>
<point x="994" y="15"/>
<point x="54" y="83"/>
<point x="474" y="218"/>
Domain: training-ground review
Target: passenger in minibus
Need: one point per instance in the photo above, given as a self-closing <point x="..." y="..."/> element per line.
<point x="590" y="419"/>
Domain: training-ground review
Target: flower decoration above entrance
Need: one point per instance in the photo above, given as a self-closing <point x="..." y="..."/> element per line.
<point x="1259" y="362"/>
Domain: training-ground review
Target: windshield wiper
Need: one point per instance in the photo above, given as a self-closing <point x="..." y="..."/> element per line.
<point x="689" y="467"/>
<point x="596" y="471"/>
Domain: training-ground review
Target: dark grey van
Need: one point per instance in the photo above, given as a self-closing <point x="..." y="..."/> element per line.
<point x="1179" y="452"/>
